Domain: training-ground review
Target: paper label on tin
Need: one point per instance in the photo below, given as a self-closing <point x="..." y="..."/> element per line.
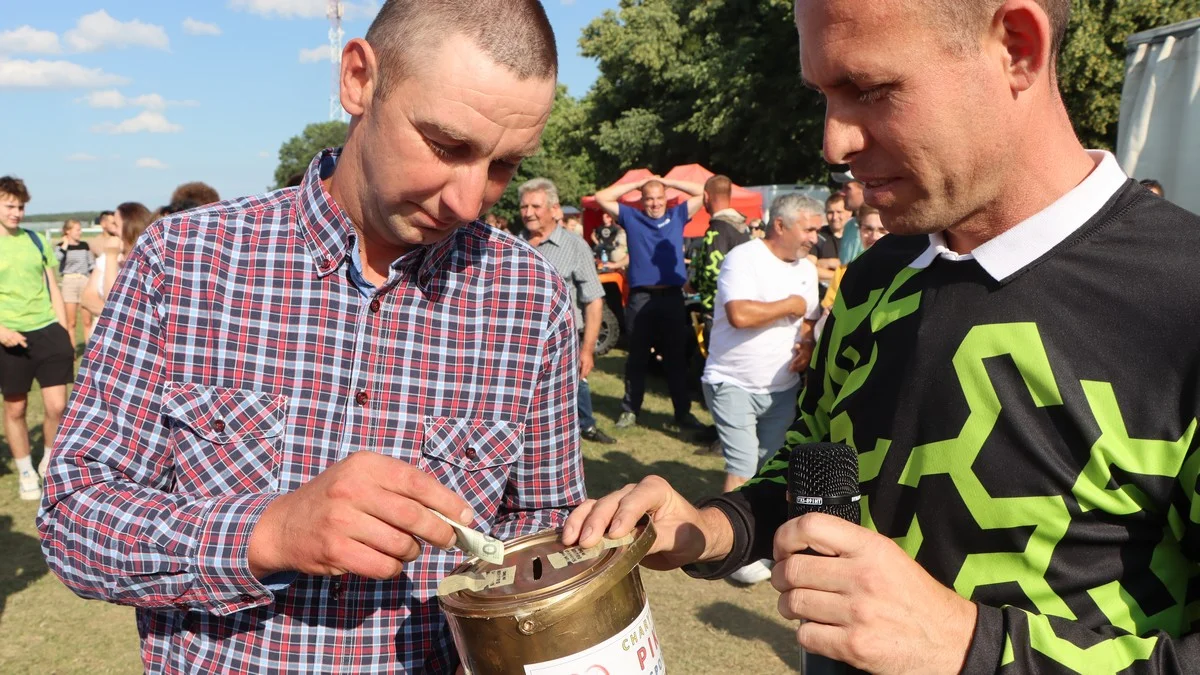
<point x="573" y="555"/>
<point x="634" y="650"/>
<point x="475" y="581"/>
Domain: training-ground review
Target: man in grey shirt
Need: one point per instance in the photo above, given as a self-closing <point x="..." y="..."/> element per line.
<point x="573" y="259"/>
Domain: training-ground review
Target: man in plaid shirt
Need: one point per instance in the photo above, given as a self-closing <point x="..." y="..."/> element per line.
<point x="284" y="386"/>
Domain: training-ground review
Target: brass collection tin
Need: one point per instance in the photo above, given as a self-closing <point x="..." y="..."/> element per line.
<point x="553" y="610"/>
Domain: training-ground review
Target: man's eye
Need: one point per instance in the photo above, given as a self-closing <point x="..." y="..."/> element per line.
<point x="872" y="95"/>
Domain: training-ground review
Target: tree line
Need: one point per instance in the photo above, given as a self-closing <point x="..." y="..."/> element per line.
<point x="717" y="82"/>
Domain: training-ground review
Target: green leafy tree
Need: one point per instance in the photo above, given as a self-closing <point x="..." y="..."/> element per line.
<point x="298" y="151"/>
<point x="717" y="82"/>
<point x="1091" y="69"/>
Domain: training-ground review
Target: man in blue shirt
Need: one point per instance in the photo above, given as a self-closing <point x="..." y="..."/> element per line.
<point x="656" y="315"/>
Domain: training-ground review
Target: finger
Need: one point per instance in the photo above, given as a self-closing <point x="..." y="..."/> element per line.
<point x="826" y="640"/>
<point x="575" y="521"/>
<point x="600" y="518"/>
<point x="408" y="481"/>
<point x="822" y="533"/>
<point x="648" y="496"/>
<point x="813" y="572"/>
<point x="827" y="608"/>
<point x="358" y="558"/>
<point x="406" y="515"/>
<point x="382" y="537"/>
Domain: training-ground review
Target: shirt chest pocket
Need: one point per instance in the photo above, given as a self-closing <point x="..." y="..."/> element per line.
<point x="473" y="457"/>
<point x="224" y="441"/>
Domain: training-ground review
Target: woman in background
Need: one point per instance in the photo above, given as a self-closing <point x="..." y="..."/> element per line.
<point x="132" y="219"/>
<point x="75" y="262"/>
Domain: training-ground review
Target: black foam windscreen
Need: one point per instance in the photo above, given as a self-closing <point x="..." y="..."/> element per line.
<point x="823" y="478"/>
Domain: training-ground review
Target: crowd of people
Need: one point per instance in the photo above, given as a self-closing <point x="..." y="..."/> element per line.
<point x="279" y="389"/>
<point x="46" y="292"/>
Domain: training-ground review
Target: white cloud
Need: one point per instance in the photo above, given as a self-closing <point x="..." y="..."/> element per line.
<point x="304" y="9"/>
<point x="149" y="163"/>
<point x="111" y="98"/>
<point x="147" y="121"/>
<point x="322" y="53"/>
<point x="81" y="157"/>
<point x="98" y="31"/>
<point x="29" y="40"/>
<point x="54" y="75"/>
<point x="264" y="154"/>
<point x="105" y="98"/>
<point x="194" y="27"/>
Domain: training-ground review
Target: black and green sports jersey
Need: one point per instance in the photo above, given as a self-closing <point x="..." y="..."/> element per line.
<point x="1031" y="442"/>
<point x="722" y="236"/>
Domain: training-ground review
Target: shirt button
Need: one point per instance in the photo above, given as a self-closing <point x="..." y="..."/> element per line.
<point x="219" y="426"/>
<point x="246" y="597"/>
<point x="375" y="305"/>
<point x="472" y="454"/>
<point x="335" y="590"/>
<point x="361" y="398"/>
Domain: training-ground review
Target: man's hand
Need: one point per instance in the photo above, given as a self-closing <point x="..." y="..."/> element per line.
<point x="865" y="602"/>
<point x="802" y="355"/>
<point x="11" y="338"/>
<point x="362" y="515"/>
<point x="587" y="361"/>
<point x="685" y="534"/>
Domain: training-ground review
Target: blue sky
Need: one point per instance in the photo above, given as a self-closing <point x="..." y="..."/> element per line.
<point x="118" y="100"/>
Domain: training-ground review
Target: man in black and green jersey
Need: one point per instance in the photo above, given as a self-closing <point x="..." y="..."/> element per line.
<point x="1018" y="371"/>
<point x="726" y="229"/>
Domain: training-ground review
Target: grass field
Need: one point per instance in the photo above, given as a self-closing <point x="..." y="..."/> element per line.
<point x="704" y="627"/>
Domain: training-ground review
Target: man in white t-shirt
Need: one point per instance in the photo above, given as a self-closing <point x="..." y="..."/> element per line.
<point x="766" y="291"/>
<point x="767" y="302"/>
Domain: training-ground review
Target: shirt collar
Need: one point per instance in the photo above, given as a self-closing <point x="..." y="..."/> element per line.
<point x="1029" y="240"/>
<point x="556" y="237"/>
<point x="331" y="239"/>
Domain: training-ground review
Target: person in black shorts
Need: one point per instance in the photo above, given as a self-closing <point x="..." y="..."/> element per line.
<point x="34" y="344"/>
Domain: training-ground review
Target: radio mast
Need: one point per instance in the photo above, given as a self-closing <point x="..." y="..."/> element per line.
<point x="334" y="12"/>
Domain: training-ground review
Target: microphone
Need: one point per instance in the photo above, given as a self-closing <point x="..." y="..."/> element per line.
<point x="823" y="478"/>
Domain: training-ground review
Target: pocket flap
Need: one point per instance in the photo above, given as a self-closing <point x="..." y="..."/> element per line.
<point x="472" y="443"/>
<point x="223" y="414"/>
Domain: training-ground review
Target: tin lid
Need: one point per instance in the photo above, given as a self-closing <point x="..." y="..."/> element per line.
<point x="539" y="574"/>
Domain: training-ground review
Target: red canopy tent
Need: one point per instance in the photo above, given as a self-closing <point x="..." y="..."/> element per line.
<point x="746" y="202"/>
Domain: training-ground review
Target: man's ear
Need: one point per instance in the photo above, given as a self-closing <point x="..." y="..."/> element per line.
<point x="359" y="77"/>
<point x="1021" y="30"/>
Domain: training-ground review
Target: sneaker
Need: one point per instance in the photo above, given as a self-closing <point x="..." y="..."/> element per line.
<point x="626" y="420"/>
<point x="44" y="465"/>
<point x="755" y="572"/>
<point x="29" y="488"/>
<point x="594" y="435"/>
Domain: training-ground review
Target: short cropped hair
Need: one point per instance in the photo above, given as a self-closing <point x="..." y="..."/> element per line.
<point x="14" y="187"/>
<point x="515" y="33"/>
<point x="543" y="185"/>
<point x="835" y="198"/>
<point x="719" y="187"/>
<point x="964" y="21"/>
<point x="864" y="211"/>
<point x="790" y="207"/>
<point x="653" y="183"/>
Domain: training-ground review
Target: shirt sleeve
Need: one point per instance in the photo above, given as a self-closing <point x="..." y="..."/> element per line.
<point x="590" y="288"/>
<point x="548" y="479"/>
<point x="112" y="528"/>
<point x="49" y="253"/>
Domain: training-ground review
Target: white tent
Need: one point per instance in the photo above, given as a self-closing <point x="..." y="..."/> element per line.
<point x="1159" y="132"/>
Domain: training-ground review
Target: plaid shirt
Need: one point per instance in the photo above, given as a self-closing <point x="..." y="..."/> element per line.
<point x="241" y="354"/>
